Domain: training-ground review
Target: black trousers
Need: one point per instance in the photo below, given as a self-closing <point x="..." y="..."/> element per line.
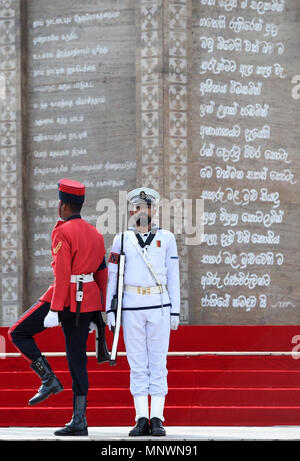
<point x="76" y="339"/>
<point x="29" y="324"/>
<point x="32" y="322"/>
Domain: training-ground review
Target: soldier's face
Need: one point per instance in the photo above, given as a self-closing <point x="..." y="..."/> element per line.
<point x="142" y="214"/>
<point x="61" y="209"/>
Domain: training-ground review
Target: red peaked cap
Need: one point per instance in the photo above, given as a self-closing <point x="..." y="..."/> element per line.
<point x="70" y="191"/>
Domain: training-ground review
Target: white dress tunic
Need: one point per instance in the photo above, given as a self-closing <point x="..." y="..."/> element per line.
<point x="146" y="317"/>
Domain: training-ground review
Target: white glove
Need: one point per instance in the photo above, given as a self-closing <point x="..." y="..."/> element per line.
<point x="174" y="322"/>
<point x="51" y="320"/>
<point x="111" y="320"/>
<point x="92" y="327"/>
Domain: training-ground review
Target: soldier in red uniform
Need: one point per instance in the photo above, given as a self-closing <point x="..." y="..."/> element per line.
<point x="76" y="296"/>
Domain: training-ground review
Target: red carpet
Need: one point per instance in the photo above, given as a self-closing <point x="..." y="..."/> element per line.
<point x="203" y="391"/>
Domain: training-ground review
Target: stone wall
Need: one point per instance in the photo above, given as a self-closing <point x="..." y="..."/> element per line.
<point x="11" y="162"/>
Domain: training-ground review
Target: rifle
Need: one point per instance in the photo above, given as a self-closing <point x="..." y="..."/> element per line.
<point x="102" y="353"/>
<point x="116" y="304"/>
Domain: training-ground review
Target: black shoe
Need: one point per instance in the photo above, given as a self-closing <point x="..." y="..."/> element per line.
<point x="78" y="423"/>
<point x="141" y="428"/>
<point x="50" y="383"/>
<point x="157" y="427"/>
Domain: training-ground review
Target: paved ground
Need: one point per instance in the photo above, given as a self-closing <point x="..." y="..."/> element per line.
<point x="275" y="433"/>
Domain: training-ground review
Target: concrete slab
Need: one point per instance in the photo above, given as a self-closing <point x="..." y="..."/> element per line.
<point x="187" y="433"/>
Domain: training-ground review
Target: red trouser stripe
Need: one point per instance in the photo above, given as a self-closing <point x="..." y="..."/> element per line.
<point x="25" y="316"/>
<point x="21" y="319"/>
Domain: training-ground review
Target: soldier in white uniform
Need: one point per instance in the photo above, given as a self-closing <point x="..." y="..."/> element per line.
<point x="151" y="307"/>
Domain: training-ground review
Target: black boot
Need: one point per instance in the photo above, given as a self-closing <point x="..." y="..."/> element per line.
<point x="141" y="428"/>
<point x="157" y="427"/>
<point x="50" y="383"/>
<point x="78" y="423"/>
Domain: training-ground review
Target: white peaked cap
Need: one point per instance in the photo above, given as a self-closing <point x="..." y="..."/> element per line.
<point x="143" y="193"/>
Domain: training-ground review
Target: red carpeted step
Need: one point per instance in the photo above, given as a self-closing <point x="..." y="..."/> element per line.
<point x="58" y="363"/>
<point x="174" y="416"/>
<point x="193" y="338"/>
<point x="203" y="390"/>
<point x="28" y="379"/>
<point x="232" y="416"/>
<point x="176" y="396"/>
<point x="176" y="378"/>
<point x="203" y="362"/>
<point x="234" y="378"/>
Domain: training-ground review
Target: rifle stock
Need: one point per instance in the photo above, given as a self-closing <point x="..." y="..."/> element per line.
<point x="102" y="353"/>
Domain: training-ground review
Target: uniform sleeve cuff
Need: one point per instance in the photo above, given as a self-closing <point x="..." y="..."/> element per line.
<point x="56" y="310"/>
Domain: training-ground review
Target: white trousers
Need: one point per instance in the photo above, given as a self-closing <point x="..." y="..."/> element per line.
<point x="146" y="335"/>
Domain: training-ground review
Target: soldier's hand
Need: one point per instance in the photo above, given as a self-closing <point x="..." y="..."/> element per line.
<point x="174" y="322"/>
<point x="51" y="320"/>
<point x="111" y="320"/>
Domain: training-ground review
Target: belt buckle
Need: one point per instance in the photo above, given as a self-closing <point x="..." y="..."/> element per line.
<point x="143" y="290"/>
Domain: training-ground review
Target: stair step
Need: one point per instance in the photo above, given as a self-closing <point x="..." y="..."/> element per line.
<point x="204" y="390"/>
<point x="174" y="416"/>
<point x="202" y="362"/>
<point x="206" y="396"/>
<point x="28" y="379"/>
<point x="114" y="377"/>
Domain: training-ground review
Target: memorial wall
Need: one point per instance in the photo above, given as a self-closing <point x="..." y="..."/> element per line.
<point x="81" y="113"/>
<point x="245" y="161"/>
<point x="198" y="99"/>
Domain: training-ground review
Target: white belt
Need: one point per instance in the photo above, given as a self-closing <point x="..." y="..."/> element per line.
<point x="145" y="290"/>
<point x="82" y="278"/>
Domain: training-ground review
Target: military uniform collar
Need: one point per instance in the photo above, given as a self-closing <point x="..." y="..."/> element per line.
<point x="150" y="235"/>
<point x="61" y="222"/>
<point x="153" y="230"/>
<point x="74" y="216"/>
